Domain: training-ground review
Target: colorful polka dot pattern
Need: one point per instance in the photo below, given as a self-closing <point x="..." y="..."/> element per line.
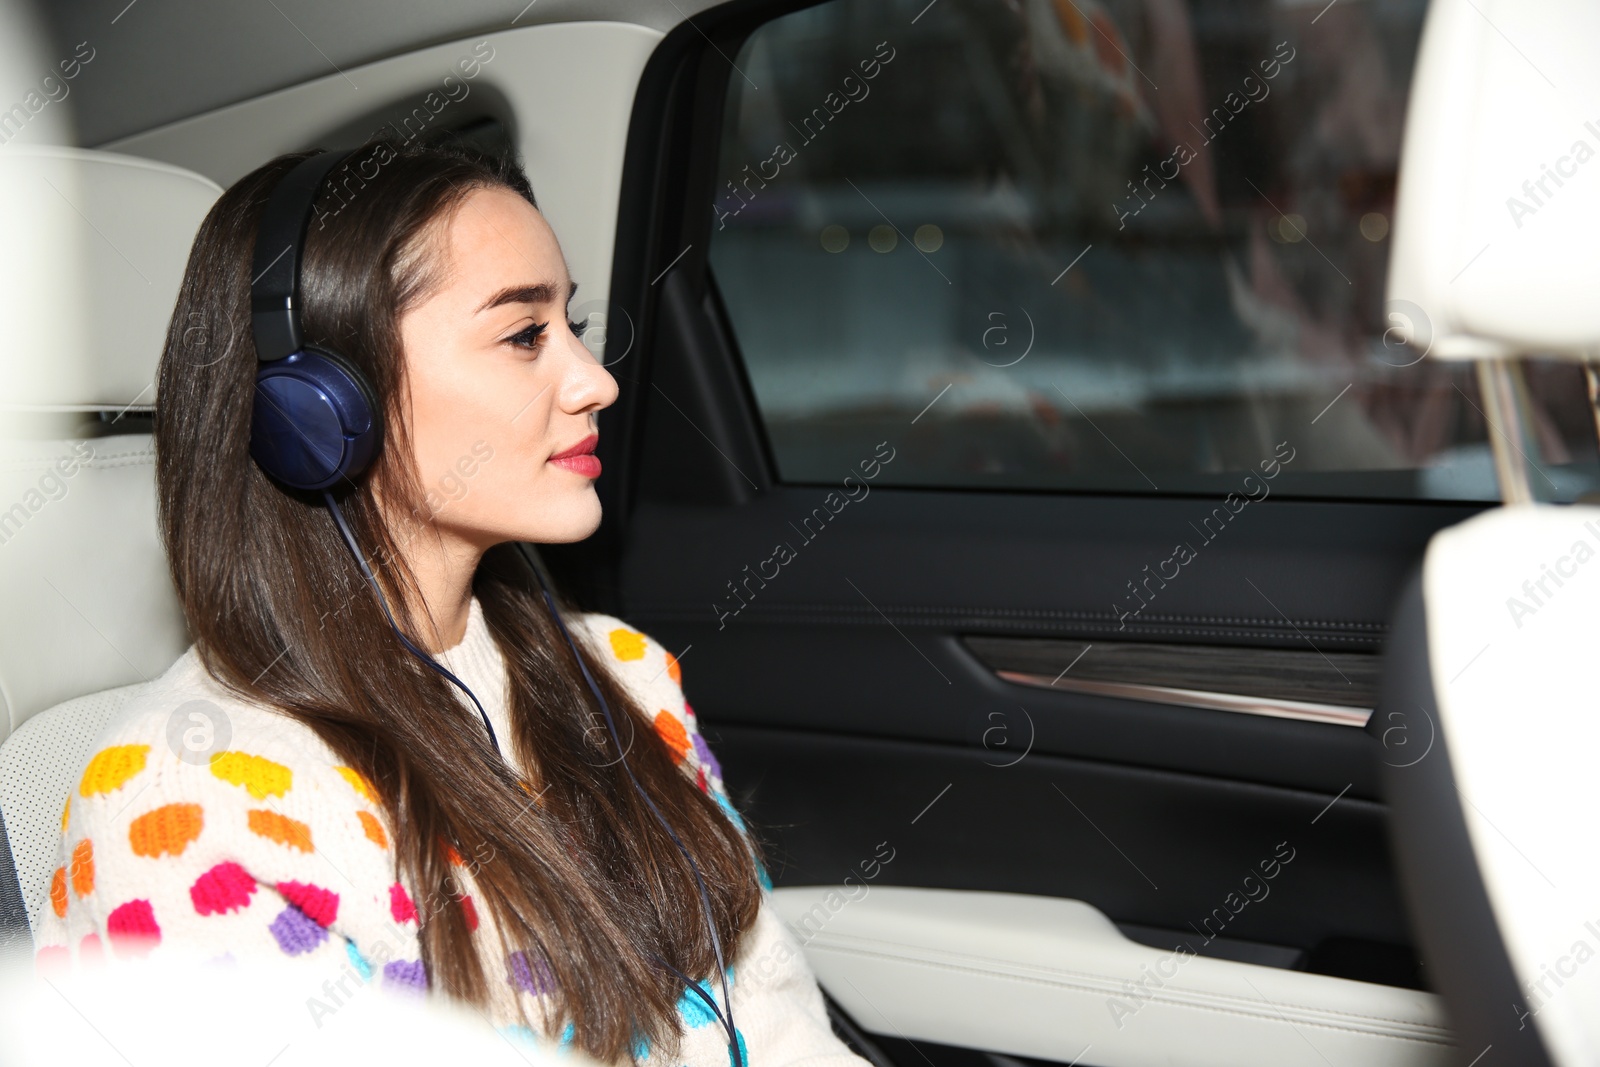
<point x="693" y="1007"/>
<point x="261" y="778"/>
<point x="243" y="834"/>
<point x="167" y="830"/>
<point x="319" y="905"/>
<point x="406" y="974"/>
<point x="132" y="928"/>
<point x="373" y="829"/>
<point x="728" y="810"/>
<point x="357" y="960"/>
<point x="627" y="645"/>
<point x="224" y="888"/>
<point x="400" y="905"/>
<point x="359" y="783"/>
<point x="83" y="868"/>
<point x="58" y="892"/>
<point x="296" y="932"/>
<point x="529" y="976"/>
<point x="673" y="733"/>
<point x="707" y="759"/>
<point x="110" y="768"/>
<point x="291" y="833"/>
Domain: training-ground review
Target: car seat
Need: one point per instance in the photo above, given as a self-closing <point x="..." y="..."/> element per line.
<point x="1488" y="724"/>
<point x="91" y="612"/>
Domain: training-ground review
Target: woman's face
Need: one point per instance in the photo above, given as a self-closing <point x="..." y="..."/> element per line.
<point x="503" y="397"/>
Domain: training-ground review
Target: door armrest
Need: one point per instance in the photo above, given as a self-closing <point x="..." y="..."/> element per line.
<point x="1055" y="979"/>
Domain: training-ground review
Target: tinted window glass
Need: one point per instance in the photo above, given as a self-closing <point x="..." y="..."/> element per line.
<point x="1127" y="245"/>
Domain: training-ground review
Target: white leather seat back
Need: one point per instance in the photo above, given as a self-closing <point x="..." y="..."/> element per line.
<point x="90" y="609"/>
<point x="89" y="600"/>
<point x="1513" y="609"/>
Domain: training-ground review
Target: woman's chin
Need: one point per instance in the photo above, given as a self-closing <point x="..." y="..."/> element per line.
<point x="574" y="520"/>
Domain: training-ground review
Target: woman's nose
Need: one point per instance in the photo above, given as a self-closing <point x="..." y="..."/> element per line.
<point x="587" y="383"/>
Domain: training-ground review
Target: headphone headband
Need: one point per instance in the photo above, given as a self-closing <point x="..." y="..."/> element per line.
<point x="275" y="284"/>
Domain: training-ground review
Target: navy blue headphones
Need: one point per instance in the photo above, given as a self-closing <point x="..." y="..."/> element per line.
<point x="316" y="421"/>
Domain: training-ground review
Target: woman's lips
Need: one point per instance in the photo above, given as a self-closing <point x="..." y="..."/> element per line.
<point x="580" y="459"/>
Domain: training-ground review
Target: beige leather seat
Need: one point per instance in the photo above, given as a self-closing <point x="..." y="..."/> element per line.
<point x="90" y="610"/>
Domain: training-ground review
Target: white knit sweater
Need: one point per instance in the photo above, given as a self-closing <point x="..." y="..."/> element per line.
<point x="253" y="842"/>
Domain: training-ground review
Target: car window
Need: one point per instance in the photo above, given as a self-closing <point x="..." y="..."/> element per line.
<point x="1111" y="245"/>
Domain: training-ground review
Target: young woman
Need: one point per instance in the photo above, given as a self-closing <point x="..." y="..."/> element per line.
<point x="301" y="785"/>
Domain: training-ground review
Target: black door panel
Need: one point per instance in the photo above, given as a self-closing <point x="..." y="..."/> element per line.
<point x="858" y="633"/>
<point x="869" y="681"/>
<point x="1152" y="848"/>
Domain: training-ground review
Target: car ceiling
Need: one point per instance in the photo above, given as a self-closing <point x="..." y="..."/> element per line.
<point x="158" y="62"/>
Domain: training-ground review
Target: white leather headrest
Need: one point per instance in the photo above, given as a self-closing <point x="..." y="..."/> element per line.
<point x="1497" y="225"/>
<point x="89" y="599"/>
<point x="87" y="315"/>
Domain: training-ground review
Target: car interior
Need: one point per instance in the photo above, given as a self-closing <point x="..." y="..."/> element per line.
<point x="1063" y="446"/>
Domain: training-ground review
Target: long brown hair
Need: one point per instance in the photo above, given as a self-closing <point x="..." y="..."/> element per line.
<point x="585" y="881"/>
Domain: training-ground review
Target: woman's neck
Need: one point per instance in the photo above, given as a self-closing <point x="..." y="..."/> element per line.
<point x="443" y="566"/>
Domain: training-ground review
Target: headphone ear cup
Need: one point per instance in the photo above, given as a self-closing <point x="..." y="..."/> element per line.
<point x="315" y="420"/>
<point x="369" y="395"/>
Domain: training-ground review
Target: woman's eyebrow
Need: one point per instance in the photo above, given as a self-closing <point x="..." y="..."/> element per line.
<point x="542" y="293"/>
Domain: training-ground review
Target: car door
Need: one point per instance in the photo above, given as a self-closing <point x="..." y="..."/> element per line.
<point x="1015" y="450"/>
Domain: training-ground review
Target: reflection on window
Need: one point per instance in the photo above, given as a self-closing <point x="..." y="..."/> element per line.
<point x="1127" y="245"/>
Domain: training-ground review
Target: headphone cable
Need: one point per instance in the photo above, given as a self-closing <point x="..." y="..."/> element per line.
<point x="705" y="897"/>
<point x="350" y="541"/>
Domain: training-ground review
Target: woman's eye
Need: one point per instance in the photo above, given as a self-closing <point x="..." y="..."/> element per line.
<point x="528" y="338"/>
<point x="531" y="336"/>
